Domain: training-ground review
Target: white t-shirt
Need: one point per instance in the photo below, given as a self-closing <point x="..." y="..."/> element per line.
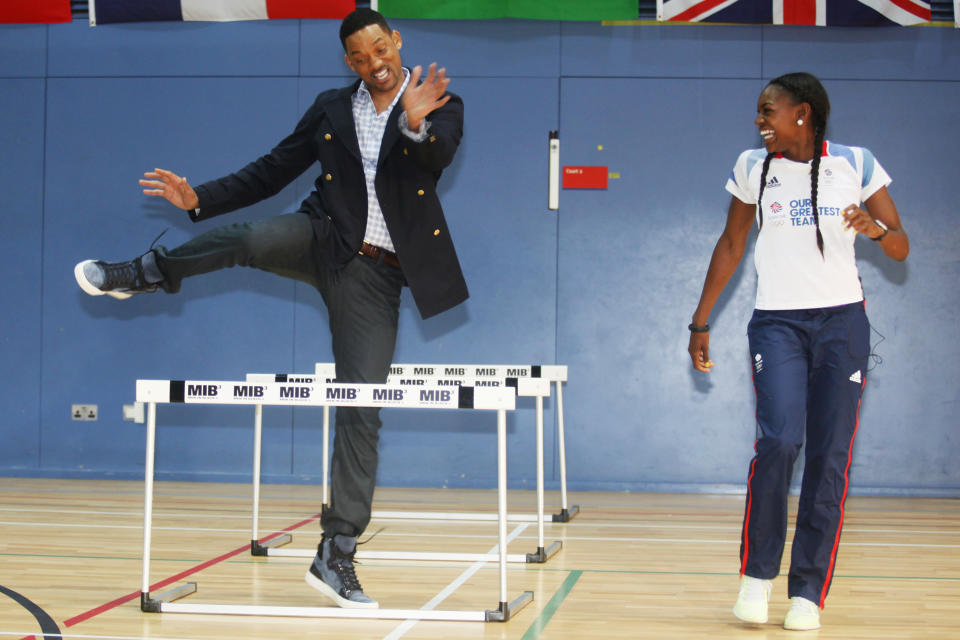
<point x="791" y="273"/>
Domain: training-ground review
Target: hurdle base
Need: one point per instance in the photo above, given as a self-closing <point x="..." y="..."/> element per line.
<point x="405" y="555"/>
<point x="503" y="612"/>
<point x="566" y="515"/>
<point x="152" y="604"/>
<point x="459" y="515"/>
<point x="257" y="549"/>
<point x="542" y="555"/>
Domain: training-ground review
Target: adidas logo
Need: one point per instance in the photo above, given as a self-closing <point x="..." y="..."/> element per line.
<point x="856" y="377"/>
<point x="773" y="182"/>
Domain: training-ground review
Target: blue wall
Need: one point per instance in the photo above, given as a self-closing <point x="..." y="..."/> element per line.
<point x="606" y="285"/>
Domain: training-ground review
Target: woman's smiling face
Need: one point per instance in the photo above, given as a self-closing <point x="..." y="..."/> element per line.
<point x="777" y="118"/>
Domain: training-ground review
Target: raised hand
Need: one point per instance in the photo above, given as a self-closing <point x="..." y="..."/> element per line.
<point x="172" y="187"/>
<point x="420" y="99"/>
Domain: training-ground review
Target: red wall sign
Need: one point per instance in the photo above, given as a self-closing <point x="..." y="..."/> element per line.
<point x="585" y="177"/>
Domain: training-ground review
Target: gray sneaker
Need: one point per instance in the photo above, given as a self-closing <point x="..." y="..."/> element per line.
<point x="118" y="279"/>
<point x="333" y="575"/>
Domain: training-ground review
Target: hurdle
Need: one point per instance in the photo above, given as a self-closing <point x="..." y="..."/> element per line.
<point x="527" y="380"/>
<point x="483" y="375"/>
<point x="154" y="392"/>
<point x="536" y="387"/>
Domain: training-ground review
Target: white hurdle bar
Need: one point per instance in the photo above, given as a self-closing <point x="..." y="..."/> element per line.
<point x="153" y="392"/>
<point x="532" y="387"/>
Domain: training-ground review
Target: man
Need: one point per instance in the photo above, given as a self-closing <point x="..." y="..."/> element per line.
<point x="372" y="224"/>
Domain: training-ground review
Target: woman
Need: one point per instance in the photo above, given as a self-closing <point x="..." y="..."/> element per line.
<point x="809" y="334"/>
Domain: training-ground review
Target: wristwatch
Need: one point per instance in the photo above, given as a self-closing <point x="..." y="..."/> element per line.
<point x="882" y="226"/>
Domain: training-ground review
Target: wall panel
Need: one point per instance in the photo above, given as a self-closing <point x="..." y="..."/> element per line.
<point x="21" y="258"/>
<point x="102" y="135"/>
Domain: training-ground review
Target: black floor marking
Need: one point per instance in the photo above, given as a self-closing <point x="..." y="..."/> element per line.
<point x="49" y="628"/>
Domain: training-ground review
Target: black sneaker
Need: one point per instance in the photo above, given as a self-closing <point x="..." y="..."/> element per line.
<point x="332" y="574"/>
<point x="117" y="279"/>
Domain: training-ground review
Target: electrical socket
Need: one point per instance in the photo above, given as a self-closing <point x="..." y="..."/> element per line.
<point x="85" y="412"/>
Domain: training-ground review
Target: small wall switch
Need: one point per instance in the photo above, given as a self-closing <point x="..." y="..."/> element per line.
<point x="134" y="412"/>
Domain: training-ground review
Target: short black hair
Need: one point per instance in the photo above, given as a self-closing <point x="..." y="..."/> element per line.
<point x="357" y="20"/>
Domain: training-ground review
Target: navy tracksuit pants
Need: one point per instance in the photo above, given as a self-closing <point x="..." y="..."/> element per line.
<point x="809" y="370"/>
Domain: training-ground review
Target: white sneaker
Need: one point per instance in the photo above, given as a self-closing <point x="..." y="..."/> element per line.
<point x="752" y="601"/>
<point x="802" y="616"/>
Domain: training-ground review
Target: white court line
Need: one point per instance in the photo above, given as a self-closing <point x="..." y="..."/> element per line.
<point x="470" y="519"/>
<point x="693" y="541"/>
<point x="738" y="527"/>
<point x="77" y="525"/>
<point x="139" y="514"/>
<point x="241" y="498"/>
<point x="598" y="525"/>
<point x="117" y="526"/>
<point x="40" y="634"/>
<point x="473" y="537"/>
<point x="891" y="544"/>
<point x="406" y="625"/>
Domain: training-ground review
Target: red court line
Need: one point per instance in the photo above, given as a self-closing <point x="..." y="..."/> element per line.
<point x="183" y="574"/>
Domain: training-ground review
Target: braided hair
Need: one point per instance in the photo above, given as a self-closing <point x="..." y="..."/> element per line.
<point x="804" y="87"/>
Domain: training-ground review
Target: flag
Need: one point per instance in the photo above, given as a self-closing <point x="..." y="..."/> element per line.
<point x="487" y="9"/>
<point x="956" y="13"/>
<point x="110" y="11"/>
<point x="35" y="11"/>
<point x="833" y="13"/>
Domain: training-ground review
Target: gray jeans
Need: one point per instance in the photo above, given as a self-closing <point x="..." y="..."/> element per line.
<point x="363" y="301"/>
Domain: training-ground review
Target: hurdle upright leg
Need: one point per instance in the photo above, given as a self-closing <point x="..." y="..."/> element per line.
<point x="539" y="475"/>
<point x="257" y="441"/>
<point x="148" y="498"/>
<point x="326" y="457"/>
<point x="148" y="603"/>
<point x="256" y="548"/>
<point x="505" y="609"/>
<point x="565" y="513"/>
<point x="502" y="501"/>
<point x="542" y="554"/>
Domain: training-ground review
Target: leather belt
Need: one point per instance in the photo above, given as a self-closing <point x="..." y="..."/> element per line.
<point x="371" y="251"/>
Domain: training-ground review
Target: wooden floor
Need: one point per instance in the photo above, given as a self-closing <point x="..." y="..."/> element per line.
<point x="632" y="565"/>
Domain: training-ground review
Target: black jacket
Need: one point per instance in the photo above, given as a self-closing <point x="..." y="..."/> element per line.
<point x="407" y="175"/>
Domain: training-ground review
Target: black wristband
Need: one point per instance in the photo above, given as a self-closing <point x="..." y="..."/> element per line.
<point x="705" y="328"/>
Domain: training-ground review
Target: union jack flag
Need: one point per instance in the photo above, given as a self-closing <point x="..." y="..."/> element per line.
<point x="834" y="13"/>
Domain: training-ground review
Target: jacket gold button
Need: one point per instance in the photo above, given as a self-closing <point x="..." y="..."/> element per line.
<point x="419" y="192"/>
<point x="328" y="177"/>
<point x="433" y="138"/>
<point x="327" y="136"/>
<point x="436" y="232"/>
<point x="405" y="152"/>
